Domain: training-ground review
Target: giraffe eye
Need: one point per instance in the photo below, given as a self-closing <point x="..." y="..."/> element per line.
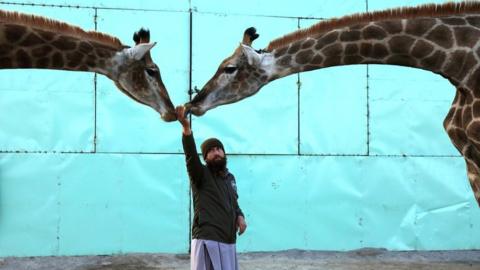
<point x="151" y="71"/>
<point x="230" y="69"/>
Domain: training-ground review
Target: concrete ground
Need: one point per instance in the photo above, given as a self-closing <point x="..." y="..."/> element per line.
<point x="290" y="259"/>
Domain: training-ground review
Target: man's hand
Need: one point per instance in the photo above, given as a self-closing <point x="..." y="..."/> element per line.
<point x="180" y="110"/>
<point x="241" y="225"/>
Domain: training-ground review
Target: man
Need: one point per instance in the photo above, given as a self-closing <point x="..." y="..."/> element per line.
<point x="217" y="216"/>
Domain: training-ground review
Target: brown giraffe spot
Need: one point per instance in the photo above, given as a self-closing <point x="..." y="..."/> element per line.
<point x="476" y="109"/>
<point x="401" y="60"/>
<point x="31" y="40"/>
<point x="90" y="61"/>
<point x="474" y="21"/>
<point x="374" y="32"/>
<point x="326" y="40"/>
<point x="454" y="21"/>
<point x="421" y="49"/>
<point x="284" y="61"/>
<point x="42" y="62"/>
<point x="476" y="93"/>
<point x="435" y="61"/>
<point x="454" y="64"/>
<point x="14" y="33"/>
<point x="304" y="57"/>
<point x="5" y="62"/>
<point x="23" y="59"/>
<point x="352" y="59"/>
<point x="332" y="50"/>
<point x="5" y="49"/>
<point x="392" y="27"/>
<point x="47" y="36"/>
<point x="441" y="35"/>
<point x="467" y="115"/>
<point x="366" y="49"/>
<point x="350" y="35"/>
<point x="263" y="78"/>
<point x="400" y="44"/>
<point x="379" y="51"/>
<point x="457" y="118"/>
<point x="333" y="61"/>
<point x="57" y="60"/>
<point x="308" y="43"/>
<point x="419" y="27"/>
<point x="280" y="52"/>
<point x="294" y="47"/>
<point x="351" y="49"/>
<point x="42" y="51"/>
<point x="317" y="60"/>
<point x="85" y="47"/>
<point x="466" y="36"/>
<point x="473" y="131"/>
<point x="74" y="59"/>
<point x="64" y="44"/>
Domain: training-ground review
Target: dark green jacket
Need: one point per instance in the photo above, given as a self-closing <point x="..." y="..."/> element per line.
<point x="214" y="199"/>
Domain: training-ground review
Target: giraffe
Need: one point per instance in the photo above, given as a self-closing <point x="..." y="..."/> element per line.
<point x="29" y="41"/>
<point x="444" y="39"/>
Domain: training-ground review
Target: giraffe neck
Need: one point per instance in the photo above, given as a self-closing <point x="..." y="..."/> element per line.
<point x="23" y="46"/>
<point x="446" y="46"/>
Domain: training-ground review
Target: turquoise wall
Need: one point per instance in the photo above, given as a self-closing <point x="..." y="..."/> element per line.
<point x="334" y="159"/>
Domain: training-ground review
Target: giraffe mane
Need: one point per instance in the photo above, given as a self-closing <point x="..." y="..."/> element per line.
<point x="446" y="9"/>
<point x="59" y="27"/>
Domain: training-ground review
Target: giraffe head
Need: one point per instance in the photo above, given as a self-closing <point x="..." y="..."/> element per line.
<point x="136" y="75"/>
<point x="239" y="76"/>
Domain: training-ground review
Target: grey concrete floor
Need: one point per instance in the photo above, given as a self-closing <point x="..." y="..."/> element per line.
<point x="290" y="259"/>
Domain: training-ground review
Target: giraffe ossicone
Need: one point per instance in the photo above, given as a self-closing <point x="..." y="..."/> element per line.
<point x="444" y="39"/>
<point x="29" y="41"/>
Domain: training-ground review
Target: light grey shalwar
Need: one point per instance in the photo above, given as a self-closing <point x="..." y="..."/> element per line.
<point x="213" y="255"/>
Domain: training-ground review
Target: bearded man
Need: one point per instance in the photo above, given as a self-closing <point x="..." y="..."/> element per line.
<point x="217" y="216"/>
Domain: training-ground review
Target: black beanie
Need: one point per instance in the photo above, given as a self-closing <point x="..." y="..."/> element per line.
<point x="209" y="144"/>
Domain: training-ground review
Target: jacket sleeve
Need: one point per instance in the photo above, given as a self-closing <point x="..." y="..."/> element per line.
<point x="238" y="211"/>
<point x="194" y="165"/>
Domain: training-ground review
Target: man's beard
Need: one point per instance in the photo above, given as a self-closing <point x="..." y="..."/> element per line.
<point x="218" y="164"/>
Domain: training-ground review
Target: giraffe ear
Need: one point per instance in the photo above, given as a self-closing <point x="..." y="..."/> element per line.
<point x="139" y="51"/>
<point x="249" y="36"/>
<point x="253" y="57"/>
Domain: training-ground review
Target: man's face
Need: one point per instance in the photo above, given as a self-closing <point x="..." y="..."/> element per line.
<point x="214" y="154"/>
<point x="216" y="159"/>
